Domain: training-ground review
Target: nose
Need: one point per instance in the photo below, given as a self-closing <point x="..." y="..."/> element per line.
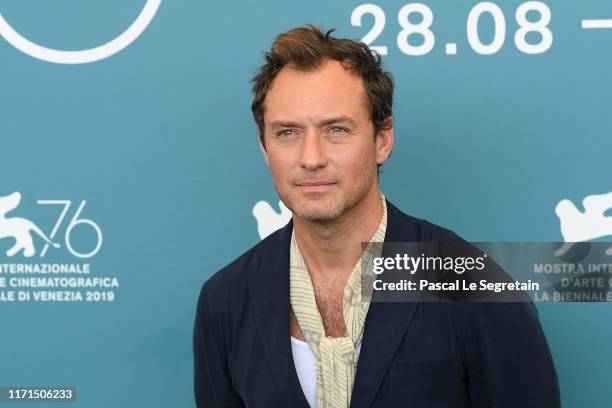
<point x="312" y="155"/>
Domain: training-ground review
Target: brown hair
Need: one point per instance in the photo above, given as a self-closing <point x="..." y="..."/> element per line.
<point x="306" y="48"/>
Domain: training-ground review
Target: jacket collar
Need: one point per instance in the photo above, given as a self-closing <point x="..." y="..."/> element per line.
<point x="384" y="328"/>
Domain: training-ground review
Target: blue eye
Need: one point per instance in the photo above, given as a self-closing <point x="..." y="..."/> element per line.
<point x="285" y="132"/>
<point x="337" y="129"/>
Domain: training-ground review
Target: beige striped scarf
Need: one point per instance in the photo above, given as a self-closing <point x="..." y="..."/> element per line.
<point x="336" y="356"/>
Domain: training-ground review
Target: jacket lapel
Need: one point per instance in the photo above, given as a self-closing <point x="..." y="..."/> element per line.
<point x="269" y="292"/>
<point x="385" y="325"/>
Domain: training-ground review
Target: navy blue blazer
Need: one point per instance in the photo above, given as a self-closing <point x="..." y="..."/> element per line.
<point x="413" y="354"/>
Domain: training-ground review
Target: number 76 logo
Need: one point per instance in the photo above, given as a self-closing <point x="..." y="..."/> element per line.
<point x="22" y="229"/>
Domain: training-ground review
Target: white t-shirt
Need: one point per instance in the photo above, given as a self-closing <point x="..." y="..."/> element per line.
<point x="305" y="363"/>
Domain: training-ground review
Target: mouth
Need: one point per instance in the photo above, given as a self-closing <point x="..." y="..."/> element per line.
<point x="315" y="186"/>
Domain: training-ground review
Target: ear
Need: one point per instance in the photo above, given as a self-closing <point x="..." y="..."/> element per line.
<point x="384" y="141"/>
<point x="264" y="152"/>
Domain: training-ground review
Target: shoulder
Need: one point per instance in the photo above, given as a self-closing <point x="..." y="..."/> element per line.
<point x="417" y="229"/>
<point x="501" y="320"/>
<point x="228" y="286"/>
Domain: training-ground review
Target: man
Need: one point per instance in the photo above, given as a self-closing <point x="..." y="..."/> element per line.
<point x="285" y="325"/>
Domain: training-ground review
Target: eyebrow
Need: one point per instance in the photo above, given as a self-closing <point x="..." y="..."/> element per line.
<point x="324" y="122"/>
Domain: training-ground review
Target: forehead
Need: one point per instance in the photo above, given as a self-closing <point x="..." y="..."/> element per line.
<point x="330" y="90"/>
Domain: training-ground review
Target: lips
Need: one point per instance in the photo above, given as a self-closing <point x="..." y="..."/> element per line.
<point x="315" y="186"/>
<point x="315" y="183"/>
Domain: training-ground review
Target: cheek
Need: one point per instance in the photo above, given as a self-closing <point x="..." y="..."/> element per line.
<point x="355" y="163"/>
<point x="280" y="164"/>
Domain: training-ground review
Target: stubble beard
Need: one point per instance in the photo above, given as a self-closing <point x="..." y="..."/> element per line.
<point x="334" y="207"/>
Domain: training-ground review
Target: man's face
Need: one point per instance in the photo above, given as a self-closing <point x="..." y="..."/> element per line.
<point x="320" y="143"/>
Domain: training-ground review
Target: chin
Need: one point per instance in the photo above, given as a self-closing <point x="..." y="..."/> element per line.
<point x="318" y="211"/>
<point x="318" y="216"/>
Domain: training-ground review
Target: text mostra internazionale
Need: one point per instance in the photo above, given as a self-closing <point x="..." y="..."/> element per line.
<point x="45" y="268"/>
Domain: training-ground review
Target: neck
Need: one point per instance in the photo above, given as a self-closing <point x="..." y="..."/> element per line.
<point x="332" y="248"/>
